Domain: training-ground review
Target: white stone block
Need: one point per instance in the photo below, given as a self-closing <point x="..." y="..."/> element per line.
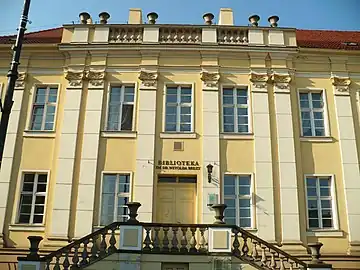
<point x="83" y="223"/>
<point x="80" y="35"/>
<point x="68" y="141"/>
<point x="288" y="176"/>
<point x="209" y="35"/>
<point x="354" y="221"/>
<point x="147" y="100"/>
<point x="94" y="100"/>
<point x="352" y="199"/>
<point x="9" y="147"/>
<point x="263" y="175"/>
<point x="4" y="190"/>
<point x="261" y="125"/>
<point x="260" y="103"/>
<point x="5" y="171"/>
<point x="289" y="201"/>
<point x="211" y="124"/>
<point x="282" y="104"/>
<point x="2" y="216"/>
<point x="87" y="171"/>
<point x="144" y="173"/>
<point x="13" y="122"/>
<point x="85" y="200"/>
<point x="62" y="197"/>
<point x="101" y="35"/>
<point x="17" y="98"/>
<point x="343" y="106"/>
<point x="290" y="227"/>
<point x="70" y="123"/>
<point x="211" y="151"/>
<point x="286" y="150"/>
<point x="346" y="128"/>
<point x="144" y="216"/>
<point x="147" y="122"/>
<point x="72" y="99"/>
<point x="92" y="122"/>
<point x="284" y="126"/>
<point x="210" y="101"/>
<point x="90" y="146"/>
<point x="351" y="175"/>
<point x="276" y="37"/>
<point x="151" y="35"/>
<point x="264" y="201"/>
<point x="262" y="149"/>
<point x="349" y="151"/>
<point x="145" y="146"/>
<point x="266" y="226"/>
<point x="60" y="222"/>
<point x="65" y="169"/>
<point x="144" y="195"/>
<point x="256" y="37"/>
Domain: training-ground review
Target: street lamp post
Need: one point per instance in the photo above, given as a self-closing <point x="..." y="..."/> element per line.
<point x="12" y="77"/>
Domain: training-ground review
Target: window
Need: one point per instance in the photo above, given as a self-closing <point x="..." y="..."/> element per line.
<point x="235" y="103"/>
<point x="178" y="111"/>
<point x="319" y="202"/>
<point x="32" y="198"/>
<point x="238" y="198"/>
<point x="312" y="114"/>
<point x="121" y="108"/>
<point x="177" y="179"/>
<point x="115" y="195"/>
<point x="44" y="107"/>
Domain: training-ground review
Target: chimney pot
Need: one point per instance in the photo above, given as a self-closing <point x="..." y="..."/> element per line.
<point x="254" y="20"/>
<point x="273" y="21"/>
<point x="84" y="17"/>
<point x="208" y="17"/>
<point x="104" y="16"/>
<point x="152" y="17"/>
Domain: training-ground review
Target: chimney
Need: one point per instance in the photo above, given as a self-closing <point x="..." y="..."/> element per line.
<point x="135" y="16"/>
<point x="84" y="17"/>
<point x="226" y="16"/>
<point x="208" y="17"/>
<point x="152" y="17"/>
<point x="104" y="16"/>
<point x="273" y="21"/>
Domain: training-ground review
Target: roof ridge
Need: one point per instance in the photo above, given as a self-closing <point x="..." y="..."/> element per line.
<point x="35" y="32"/>
<point x="328" y="30"/>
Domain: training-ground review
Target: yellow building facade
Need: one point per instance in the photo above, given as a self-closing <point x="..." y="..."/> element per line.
<point x="178" y="118"/>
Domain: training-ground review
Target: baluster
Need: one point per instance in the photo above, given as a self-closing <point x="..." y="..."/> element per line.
<point x="202" y="241"/>
<point x="236" y="243"/>
<point x="57" y="262"/>
<point x="66" y="262"/>
<point x="291" y="265"/>
<point x="156" y="241"/>
<point x="272" y="262"/>
<point x="282" y="265"/>
<point x="245" y="248"/>
<point x="94" y="249"/>
<point x="147" y="240"/>
<point x="75" y="259"/>
<point x="84" y="254"/>
<point x="254" y="254"/>
<point x="112" y="241"/>
<point x="193" y="240"/>
<point x="103" y="244"/>
<point x="184" y="240"/>
<point x="263" y="256"/>
<point x="165" y="239"/>
<point x="48" y="264"/>
<point x="174" y="241"/>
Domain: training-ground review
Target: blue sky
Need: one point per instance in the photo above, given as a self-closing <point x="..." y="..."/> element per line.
<point x="304" y="14"/>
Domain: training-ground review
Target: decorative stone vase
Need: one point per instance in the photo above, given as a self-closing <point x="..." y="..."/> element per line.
<point x="254" y="20"/>
<point x="84" y="17"/>
<point x="219" y="213"/>
<point x="273" y="21"/>
<point x="133" y="208"/>
<point x="152" y="17"/>
<point x="315" y="252"/>
<point x="208" y="17"/>
<point x="104" y="16"/>
<point x="34" y="247"/>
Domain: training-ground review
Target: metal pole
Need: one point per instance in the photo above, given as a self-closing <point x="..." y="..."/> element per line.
<point x="12" y="77"/>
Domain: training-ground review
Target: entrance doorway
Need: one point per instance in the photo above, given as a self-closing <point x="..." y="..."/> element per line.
<point x="176" y="199"/>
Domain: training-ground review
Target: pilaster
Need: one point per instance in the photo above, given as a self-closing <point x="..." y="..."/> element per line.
<point x="264" y="187"/>
<point x="89" y="153"/>
<point x="6" y="172"/>
<point x="211" y="143"/>
<point x="66" y="158"/>
<point x="145" y="150"/>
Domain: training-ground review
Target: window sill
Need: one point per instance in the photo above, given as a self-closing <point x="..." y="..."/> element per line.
<point x="41" y="134"/>
<point x="325" y="233"/>
<point x="119" y="134"/>
<point x="317" y="139"/>
<point x="237" y="136"/>
<point x="166" y="135"/>
<point x="27" y="227"/>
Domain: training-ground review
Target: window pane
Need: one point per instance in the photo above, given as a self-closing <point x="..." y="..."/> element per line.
<point x="165" y="179"/>
<point x="324" y="191"/>
<point x="38" y="219"/>
<point x="170" y="118"/>
<point x="39" y="209"/>
<point x="185" y="110"/>
<point x="243" y="128"/>
<point x="318" y="116"/>
<point x="229" y="180"/>
<point x="229" y="128"/>
<point x="185" y="118"/>
<point x="313" y="214"/>
<point x="327" y="223"/>
<point x="244" y="190"/>
<point x="304" y="103"/>
<point x="228" y="111"/>
<point x="312" y="204"/>
<point x="40" y="200"/>
<point x="242" y="111"/>
<point x="319" y="132"/>
<point x="228" y="119"/>
<point x="185" y="127"/>
<point x="244" y="202"/>
<point x="171" y="90"/>
<point x="307" y="132"/>
<point x="228" y="100"/>
<point x="53" y="95"/>
<point x="310" y="181"/>
<point x="243" y="120"/>
<point x="129" y="90"/>
<point x="26" y="199"/>
<point x="115" y="95"/>
<point x="230" y="221"/>
<point x="171" y="98"/>
<point x="190" y="179"/>
<point x="25" y="209"/>
<point x="28" y="187"/>
<point x="305" y="115"/>
<point x="170" y="109"/>
<point x="324" y="182"/>
<point x="313" y="223"/>
<point x="107" y="208"/>
<point x="41" y="187"/>
<point x="124" y="183"/>
<point x="185" y="99"/>
<point x="127" y="117"/>
<point x="109" y="183"/>
<point x="230" y="203"/>
<point x="319" y="124"/>
<point x="40" y="96"/>
<point x="185" y="90"/>
<point x="326" y="213"/>
<point x="311" y="191"/>
<point x="230" y="212"/>
<point x="170" y="127"/>
<point x="129" y="98"/>
<point x="244" y="180"/>
<point x="245" y="213"/>
<point x="245" y="222"/>
<point x="304" y="96"/>
<point x="24" y="218"/>
<point x="325" y="204"/>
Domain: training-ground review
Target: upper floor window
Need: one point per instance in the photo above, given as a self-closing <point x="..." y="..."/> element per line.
<point x="312" y="114"/>
<point x="121" y="108"/>
<point x="178" y="109"/>
<point x="44" y="108"/>
<point x="238" y="198"/>
<point x="32" y="198"/>
<point x="320" y="202"/>
<point x="235" y="104"/>
<point x="114" y="197"/>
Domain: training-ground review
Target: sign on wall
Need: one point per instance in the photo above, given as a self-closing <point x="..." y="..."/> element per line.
<point x="186" y="165"/>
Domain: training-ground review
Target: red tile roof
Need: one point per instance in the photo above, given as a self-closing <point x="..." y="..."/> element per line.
<point x="322" y="39"/>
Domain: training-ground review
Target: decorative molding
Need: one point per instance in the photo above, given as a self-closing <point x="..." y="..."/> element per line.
<point x="259" y="80"/>
<point x="281" y="82"/>
<point x="20" y="82"/>
<point x="96" y="78"/>
<point x="148" y="79"/>
<point x="341" y="85"/>
<point x="210" y="80"/>
<point x="75" y="78"/>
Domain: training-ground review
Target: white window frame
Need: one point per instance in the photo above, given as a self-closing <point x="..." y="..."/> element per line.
<point x="333" y="203"/>
<point x="122" y="84"/>
<point x="31" y="107"/>
<point x="178" y="85"/>
<point x="115" y="192"/>
<point x="325" y="112"/>
<point x="20" y="192"/>
<point x="251" y="197"/>
<point x="241" y="87"/>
